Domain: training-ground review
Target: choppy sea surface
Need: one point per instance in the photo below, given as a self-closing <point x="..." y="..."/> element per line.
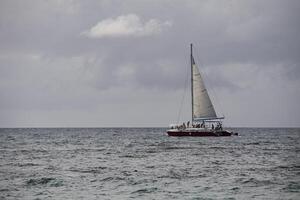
<point x="144" y="163"/>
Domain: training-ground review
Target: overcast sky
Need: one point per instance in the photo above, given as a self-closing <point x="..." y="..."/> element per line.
<point x="124" y="62"/>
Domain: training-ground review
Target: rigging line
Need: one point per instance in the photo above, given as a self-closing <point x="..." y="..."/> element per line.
<point x="209" y="82"/>
<point x="184" y="94"/>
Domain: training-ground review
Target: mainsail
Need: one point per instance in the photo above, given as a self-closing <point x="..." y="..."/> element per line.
<point x="202" y="106"/>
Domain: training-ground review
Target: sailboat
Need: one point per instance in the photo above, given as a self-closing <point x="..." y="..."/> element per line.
<point x="205" y="121"/>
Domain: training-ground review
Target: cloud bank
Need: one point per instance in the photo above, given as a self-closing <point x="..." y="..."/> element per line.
<point x="126" y="25"/>
<point x="130" y="69"/>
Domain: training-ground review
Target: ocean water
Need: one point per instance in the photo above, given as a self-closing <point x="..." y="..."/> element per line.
<point x="144" y="163"/>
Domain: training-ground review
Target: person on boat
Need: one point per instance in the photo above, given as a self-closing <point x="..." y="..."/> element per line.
<point x="202" y="124"/>
<point x="217" y="127"/>
<point x="183" y="125"/>
<point x="212" y="126"/>
<point x="188" y="124"/>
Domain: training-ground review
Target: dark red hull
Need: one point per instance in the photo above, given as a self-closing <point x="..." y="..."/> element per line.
<point x="183" y="133"/>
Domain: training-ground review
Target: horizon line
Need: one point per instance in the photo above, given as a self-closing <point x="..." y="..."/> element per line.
<point x="45" y="127"/>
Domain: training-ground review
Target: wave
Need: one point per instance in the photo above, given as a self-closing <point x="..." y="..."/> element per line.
<point x="253" y="143"/>
<point x="26" y="164"/>
<point x="292" y="187"/>
<point x="174" y="174"/>
<point x="291" y="167"/>
<point x="110" y="178"/>
<point x="257" y="183"/>
<point x="53" y="182"/>
<point x="177" y="148"/>
<point x="93" y="170"/>
<point x="145" y="190"/>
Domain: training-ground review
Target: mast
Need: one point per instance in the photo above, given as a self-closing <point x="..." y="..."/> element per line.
<point x="192" y="91"/>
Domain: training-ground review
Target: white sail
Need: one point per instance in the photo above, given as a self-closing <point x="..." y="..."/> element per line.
<point x="202" y="106"/>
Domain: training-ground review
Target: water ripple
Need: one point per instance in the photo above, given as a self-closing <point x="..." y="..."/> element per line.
<point x="144" y="163"/>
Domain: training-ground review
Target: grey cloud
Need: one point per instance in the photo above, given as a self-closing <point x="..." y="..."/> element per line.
<point x="46" y="64"/>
